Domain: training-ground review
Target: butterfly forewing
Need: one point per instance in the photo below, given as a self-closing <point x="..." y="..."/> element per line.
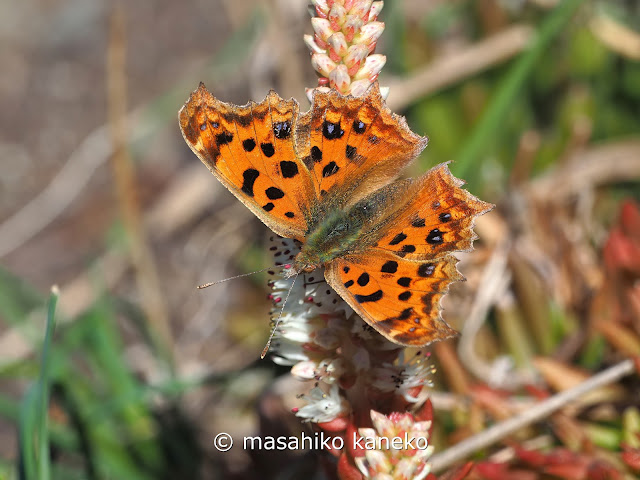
<point x="354" y="145"/>
<point x="250" y="150"/>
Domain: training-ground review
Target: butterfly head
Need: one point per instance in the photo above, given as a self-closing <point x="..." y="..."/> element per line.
<point x="304" y="263"/>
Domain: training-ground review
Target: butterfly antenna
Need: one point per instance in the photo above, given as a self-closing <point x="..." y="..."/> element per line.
<point x="275" y="326"/>
<point x="200" y="287"/>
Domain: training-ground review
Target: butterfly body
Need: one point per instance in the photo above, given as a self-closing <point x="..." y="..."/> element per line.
<point x="327" y="178"/>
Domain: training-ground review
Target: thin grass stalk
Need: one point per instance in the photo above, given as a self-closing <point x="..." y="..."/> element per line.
<point x="492" y="121"/>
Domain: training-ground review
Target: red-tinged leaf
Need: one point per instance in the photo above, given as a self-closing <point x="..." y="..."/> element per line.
<point x="492" y="470"/>
<point x="481" y="388"/>
<point x="354" y="449"/>
<point x="599" y="470"/>
<point x="622" y="252"/>
<point x="630" y="219"/>
<point x="338" y="424"/>
<point x="561" y="456"/>
<point x="494" y="401"/>
<point x="500" y="471"/>
<point x="425" y="413"/>
<point x="537" y="392"/>
<point x="347" y="470"/>
<point x="567" y="471"/>
<point x="457" y="473"/>
<point x="631" y="456"/>
<point x="530" y="457"/>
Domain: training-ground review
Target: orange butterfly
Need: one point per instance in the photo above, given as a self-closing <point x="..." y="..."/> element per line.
<point x="327" y="179"/>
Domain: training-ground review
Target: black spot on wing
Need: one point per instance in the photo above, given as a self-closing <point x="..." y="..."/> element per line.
<point x="404" y="281"/>
<point x="224" y="138"/>
<point x="268" y="207"/>
<point x="331" y="131"/>
<point x="249" y="178"/>
<point x="282" y="130"/>
<point x="404" y="296"/>
<point x="359" y="126"/>
<point x="408" y="249"/>
<point x="249" y="144"/>
<point x="426" y="269"/>
<point x="363" y="279"/>
<point x="330" y="169"/>
<point x="444" y="217"/>
<point x="397" y="239"/>
<point x="274" y="193"/>
<point x="390" y="267"/>
<point x="374" y="297"/>
<point x="350" y="152"/>
<point x="435" y="237"/>
<point x="348" y="284"/>
<point x="316" y="154"/>
<point x="288" y="169"/>
<point x="267" y="149"/>
<point x="289" y="214"/>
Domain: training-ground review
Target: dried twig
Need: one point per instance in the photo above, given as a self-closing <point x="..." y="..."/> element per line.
<point x="499" y="431"/>
<point x="599" y="165"/>
<point x="455" y="67"/>
<point x="124" y="176"/>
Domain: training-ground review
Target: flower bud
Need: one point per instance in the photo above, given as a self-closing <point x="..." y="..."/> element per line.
<point x="338" y="44"/>
<point x="322" y="27"/>
<point x="355" y="55"/>
<point x="337" y="16"/>
<point x="369" y="33"/>
<point x="351" y="26"/>
<point x="371" y="68"/>
<point x="312" y="45"/>
<point x="348" y="4"/>
<point x="376" y="7"/>
<point x="322" y="64"/>
<point x="361" y="9"/>
<point x="321" y="7"/>
<point x="339" y="79"/>
<point x="359" y="87"/>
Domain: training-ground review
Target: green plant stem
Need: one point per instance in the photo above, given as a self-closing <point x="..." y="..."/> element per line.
<point x="43" y="383"/>
<point x="493" y="117"/>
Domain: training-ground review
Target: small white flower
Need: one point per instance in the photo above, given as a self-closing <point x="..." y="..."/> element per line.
<point x="323" y="407"/>
<point x="403" y="376"/>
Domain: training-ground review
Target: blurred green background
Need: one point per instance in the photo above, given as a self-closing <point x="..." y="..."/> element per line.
<point x="143" y="370"/>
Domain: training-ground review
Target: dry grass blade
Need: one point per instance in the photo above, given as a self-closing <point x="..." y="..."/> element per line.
<point x="124" y="175"/>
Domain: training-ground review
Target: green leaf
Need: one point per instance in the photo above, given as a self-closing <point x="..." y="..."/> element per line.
<point x="34" y="412"/>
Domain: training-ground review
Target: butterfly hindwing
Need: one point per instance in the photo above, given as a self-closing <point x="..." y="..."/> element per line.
<point x="399" y="298"/>
<point x="437" y="220"/>
<point x="250" y="150"/>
